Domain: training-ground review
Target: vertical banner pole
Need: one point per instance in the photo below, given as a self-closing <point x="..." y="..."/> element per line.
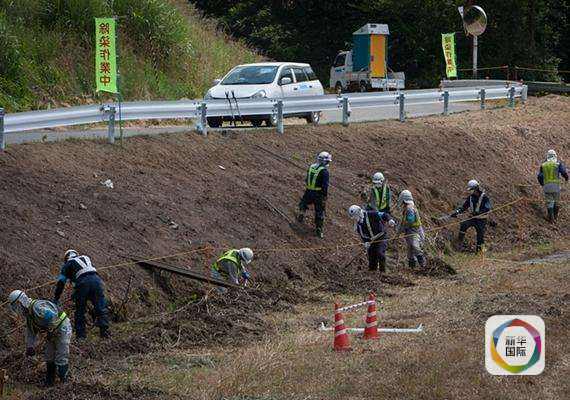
<point x="475" y="50"/>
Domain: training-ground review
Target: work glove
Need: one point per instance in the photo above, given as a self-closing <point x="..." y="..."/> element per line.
<point x="366" y="245"/>
<point x="392" y="223"/>
<point x="30" y="352"/>
<point x="454" y="214"/>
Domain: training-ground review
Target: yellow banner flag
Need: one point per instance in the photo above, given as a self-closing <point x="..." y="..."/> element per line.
<point x="105" y="55"/>
<point x="448" y="44"/>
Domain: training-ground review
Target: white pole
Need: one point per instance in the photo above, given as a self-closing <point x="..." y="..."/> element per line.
<point x="475" y="46"/>
<point x="419" y="329"/>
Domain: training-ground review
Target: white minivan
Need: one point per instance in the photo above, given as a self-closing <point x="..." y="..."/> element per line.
<point x="272" y="80"/>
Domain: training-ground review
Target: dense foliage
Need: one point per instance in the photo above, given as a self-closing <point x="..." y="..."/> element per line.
<point x="165" y="49"/>
<point x="520" y="33"/>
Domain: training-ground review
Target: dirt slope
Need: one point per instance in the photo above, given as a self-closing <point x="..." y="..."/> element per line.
<point x="51" y="198"/>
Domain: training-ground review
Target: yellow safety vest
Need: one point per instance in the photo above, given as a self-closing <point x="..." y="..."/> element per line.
<point x="312" y="176"/>
<point x="550" y="172"/>
<point x="230" y="255"/>
<point x="418" y="221"/>
<point x="380" y="199"/>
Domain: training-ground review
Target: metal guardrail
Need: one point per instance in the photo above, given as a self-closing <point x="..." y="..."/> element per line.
<point x="200" y="110"/>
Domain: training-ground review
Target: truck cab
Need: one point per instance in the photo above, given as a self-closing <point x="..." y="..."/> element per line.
<point x="365" y="67"/>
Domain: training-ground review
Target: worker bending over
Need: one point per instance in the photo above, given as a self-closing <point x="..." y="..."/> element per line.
<point x="231" y="265"/>
<point x="316" y="191"/>
<point x="549" y="178"/>
<point x="479" y="205"/>
<point x="44" y="317"/>
<point x="370" y="226"/>
<point x="411" y="227"/>
<point x="88" y="286"/>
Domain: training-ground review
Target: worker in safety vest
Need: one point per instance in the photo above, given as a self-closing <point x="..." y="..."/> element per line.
<point x="88" y="286"/>
<point x="479" y="205"/>
<point x="380" y="196"/>
<point x="316" y="191"/>
<point x="44" y="317"/>
<point x="232" y="265"/>
<point x="549" y="178"/>
<point x="370" y="226"/>
<point x="411" y="227"/>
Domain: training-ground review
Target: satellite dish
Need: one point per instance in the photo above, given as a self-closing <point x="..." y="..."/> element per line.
<point x="474" y="20"/>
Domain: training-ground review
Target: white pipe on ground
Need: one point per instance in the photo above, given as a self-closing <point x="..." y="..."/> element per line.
<point x="419" y="329"/>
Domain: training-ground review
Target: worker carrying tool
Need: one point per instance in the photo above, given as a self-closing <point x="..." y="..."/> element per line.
<point x="44" y="317"/>
<point x="411" y="227"/>
<point x="370" y="225"/>
<point x="316" y="191"/>
<point x="380" y="196"/>
<point x="88" y="286"/>
<point x="479" y="204"/>
<point x="549" y="178"/>
<point x="231" y="265"/>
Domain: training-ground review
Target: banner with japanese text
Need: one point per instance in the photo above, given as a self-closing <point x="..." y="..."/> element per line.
<point x="105" y="55"/>
<point x="448" y="44"/>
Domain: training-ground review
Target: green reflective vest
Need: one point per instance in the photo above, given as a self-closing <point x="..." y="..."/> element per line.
<point x="550" y="172"/>
<point x="417" y="222"/>
<point x="312" y="176"/>
<point x="230" y="255"/>
<point x="381" y="199"/>
<point x="36" y="327"/>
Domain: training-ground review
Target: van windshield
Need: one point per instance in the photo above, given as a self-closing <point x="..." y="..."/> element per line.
<point x="251" y="75"/>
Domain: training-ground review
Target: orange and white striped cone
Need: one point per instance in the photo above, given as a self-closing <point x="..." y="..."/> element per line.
<point x="341" y="341"/>
<point x="371" y="330"/>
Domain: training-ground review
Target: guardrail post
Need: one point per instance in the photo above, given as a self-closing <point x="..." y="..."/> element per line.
<point x="111" y="127"/>
<point x="345" y="111"/>
<point x="512" y="97"/>
<point x="482" y="96"/>
<point x="2" y="136"/>
<point x="524" y="93"/>
<point x="446" y="103"/>
<point x="202" y="125"/>
<point x="280" y="127"/>
<point x="401" y="101"/>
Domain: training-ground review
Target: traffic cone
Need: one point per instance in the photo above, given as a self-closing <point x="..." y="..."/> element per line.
<point x="341" y="341"/>
<point x="371" y="330"/>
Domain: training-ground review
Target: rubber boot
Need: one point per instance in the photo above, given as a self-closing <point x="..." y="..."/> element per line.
<point x="62" y="372"/>
<point x="556" y="209"/>
<point x="412" y="263"/>
<point x="550" y="215"/>
<point x="382" y="264"/>
<point x="104" y="333"/>
<point x="421" y="261"/>
<point x="319" y="230"/>
<point x="50" y="374"/>
<point x="300" y="217"/>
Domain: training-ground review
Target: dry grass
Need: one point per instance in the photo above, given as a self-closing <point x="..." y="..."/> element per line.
<point x="445" y="362"/>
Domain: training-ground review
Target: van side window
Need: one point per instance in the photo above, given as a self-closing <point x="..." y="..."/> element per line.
<point x="340" y="60"/>
<point x="310" y="73"/>
<point x="300" y="74"/>
<point x="286" y="73"/>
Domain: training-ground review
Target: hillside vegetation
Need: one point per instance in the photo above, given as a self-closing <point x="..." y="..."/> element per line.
<point x="167" y="51"/>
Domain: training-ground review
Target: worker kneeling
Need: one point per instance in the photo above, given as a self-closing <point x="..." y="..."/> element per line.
<point x="43" y="316"/>
<point x="231" y="265"/>
<point x="370" y="225"/>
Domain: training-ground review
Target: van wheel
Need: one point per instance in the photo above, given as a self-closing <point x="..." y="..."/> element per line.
<point x="257" y="123"/>
<point x="338" y="88"/>
<point x="314" y="118"/>
<point x="215" y="122"/>
<point x="363" y="87"/>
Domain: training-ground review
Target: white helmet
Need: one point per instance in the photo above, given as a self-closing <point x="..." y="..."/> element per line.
<point x="378" y="178"/>
<point x="324" y="157"/>
<point x="405" y="197"/>
<point x="18" y="298"/>
<point x="246" y="254"/>
<point x="472" y="185"/>
<point x="70" y="254"/>
<point x="355" y="212"/>
<point x="551" y="155"/>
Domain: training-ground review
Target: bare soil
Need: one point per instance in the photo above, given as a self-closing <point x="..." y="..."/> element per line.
<point x="182" y="193"/>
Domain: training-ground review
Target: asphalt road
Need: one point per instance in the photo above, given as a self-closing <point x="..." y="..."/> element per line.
<point x="357" y="115"/>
